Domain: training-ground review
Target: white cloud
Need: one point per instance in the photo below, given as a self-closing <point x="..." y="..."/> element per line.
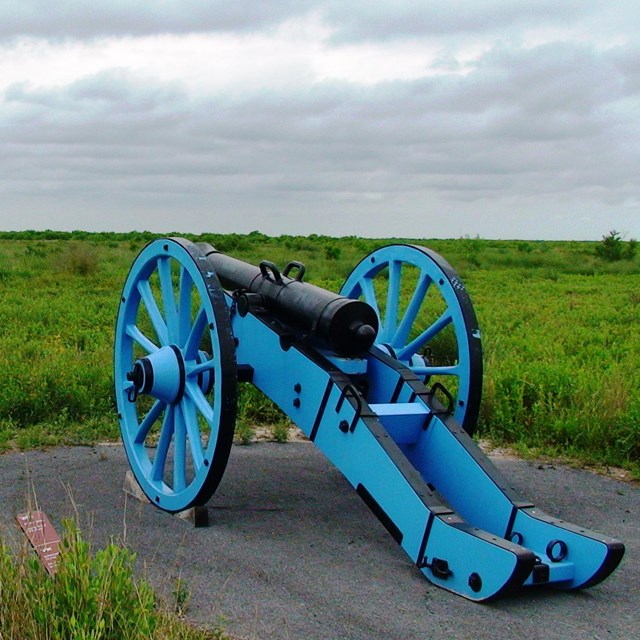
<point x="354" y="118"/>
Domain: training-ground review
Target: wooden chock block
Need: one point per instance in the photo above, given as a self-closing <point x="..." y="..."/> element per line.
<point x="197" y="516"/>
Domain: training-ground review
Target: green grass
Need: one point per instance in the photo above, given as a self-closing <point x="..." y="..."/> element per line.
<point x="93" y="596"/>
<point x="560" y="329"/>
<point x="561" y="358"/>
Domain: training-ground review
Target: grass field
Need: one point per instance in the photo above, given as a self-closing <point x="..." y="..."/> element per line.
<point x="561" y="335"/>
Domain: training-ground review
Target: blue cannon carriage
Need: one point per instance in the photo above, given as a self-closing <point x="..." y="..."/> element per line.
<point x="384" y="377"/>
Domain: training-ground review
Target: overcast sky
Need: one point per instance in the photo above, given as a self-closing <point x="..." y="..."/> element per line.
<point x="433" y="118"/>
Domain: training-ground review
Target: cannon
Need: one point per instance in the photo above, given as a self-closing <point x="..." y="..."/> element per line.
<point x="384" y="377"/>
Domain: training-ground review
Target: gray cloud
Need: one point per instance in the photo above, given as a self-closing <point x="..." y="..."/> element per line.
<point x="556" y="124"/>
<point x="551" y="128"/>
<point x="352" y="20"/>
<point x="390" y="18"/>
<point x="95" y="18"/>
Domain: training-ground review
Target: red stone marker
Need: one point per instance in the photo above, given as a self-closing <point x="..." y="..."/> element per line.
<point x="42" y="536"/>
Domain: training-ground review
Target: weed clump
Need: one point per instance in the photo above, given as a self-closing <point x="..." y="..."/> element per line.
<point x="79" y="260"/>
<point x="93" y="596"/>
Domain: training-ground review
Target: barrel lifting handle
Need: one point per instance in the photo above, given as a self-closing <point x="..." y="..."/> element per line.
<point x="270" y="271"/>
<point x="350" y="390"/>
<point x="294" y="264"/>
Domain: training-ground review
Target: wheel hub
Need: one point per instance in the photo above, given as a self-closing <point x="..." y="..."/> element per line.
<point x="161" y="374"/>
<point x="415" y="360"/>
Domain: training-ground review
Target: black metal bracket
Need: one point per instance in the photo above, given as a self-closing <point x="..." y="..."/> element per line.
<point x="352" y="392"/>
<point x="540" y="573"/>
<point x="244" y="373"/>
<point x="438" y="566"/>
<point x="437" y="387"/>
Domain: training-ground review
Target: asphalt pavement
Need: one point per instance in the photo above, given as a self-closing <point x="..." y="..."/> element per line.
<point x="293" y="553"/>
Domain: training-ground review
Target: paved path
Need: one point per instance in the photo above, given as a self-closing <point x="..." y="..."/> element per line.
<point x="294" y="553"/>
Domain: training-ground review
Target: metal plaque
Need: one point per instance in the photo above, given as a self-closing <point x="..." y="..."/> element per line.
<point x="42" y="536"/>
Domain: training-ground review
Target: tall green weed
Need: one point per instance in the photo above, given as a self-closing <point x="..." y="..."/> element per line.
<point x="93" y="596"/>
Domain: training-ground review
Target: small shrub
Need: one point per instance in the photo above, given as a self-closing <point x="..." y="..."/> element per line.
<point x="613" y="248"/>
<point x="471" y="248"/>
<point x="280" y="432"/>
<point x="331" y="252"/>
<point x="79" y="260"/>
<point x="35" y="249"/>
<point x="181" y="595"/>
<point x="255" y="408"/>
<point x="244" y="433"/>
<point x="552" y="274"/>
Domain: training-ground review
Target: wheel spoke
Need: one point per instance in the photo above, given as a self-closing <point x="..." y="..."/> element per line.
<point x="366" y="284"/>
<point x="428" y="334"/>
<point x="393" y="296"/>
<point x="196" y="369"/>
<point x="168" y="299"/>
<point x="134" y="333"/>
<point x="149" y="420"/>
<point x="193" y="432"/>
<point x="153" y="311"/>
<point x="184" y="305"/>
<point x="453" y="370"/>
<point x="200" y="401"/>
<point x="195" y="335"/>
<point x="402" y="334"/>
<point x="166" y="433"/>
<point x="179" y="452"/>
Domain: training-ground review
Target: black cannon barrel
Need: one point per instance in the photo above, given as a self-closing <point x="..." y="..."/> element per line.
<point x="348" y="326"/>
